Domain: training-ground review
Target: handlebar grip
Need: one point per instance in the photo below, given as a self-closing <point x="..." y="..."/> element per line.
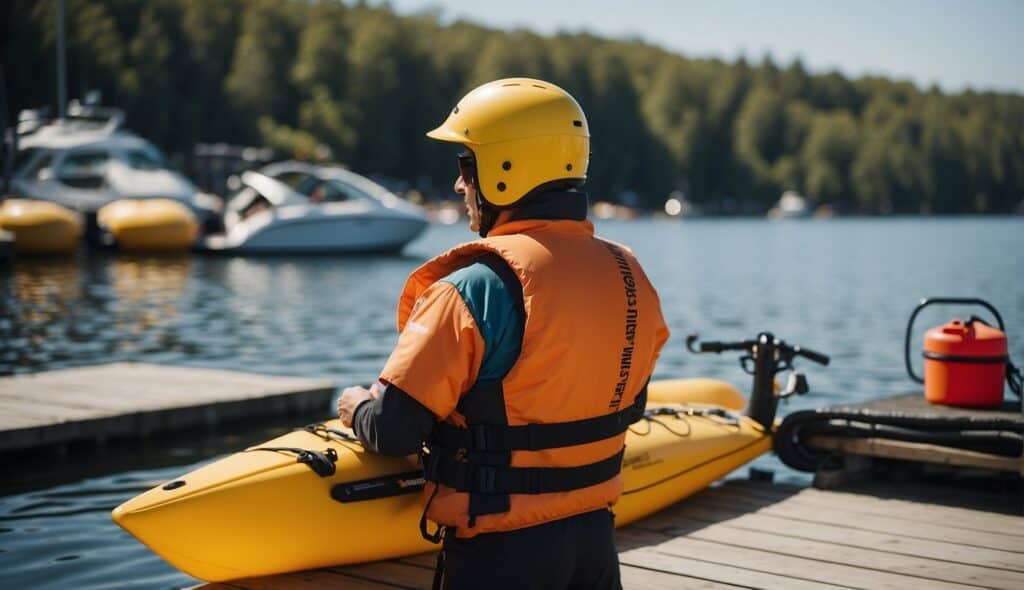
<point x="821" y="359"/>
<point x="712" y="346"/>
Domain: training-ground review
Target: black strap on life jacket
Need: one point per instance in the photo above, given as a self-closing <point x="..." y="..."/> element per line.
<point x="477" y="478"/>
<point x="532" y="437"/>
<point x="476" y="460"/>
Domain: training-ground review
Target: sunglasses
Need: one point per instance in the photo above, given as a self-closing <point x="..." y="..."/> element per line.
<point x="467" y="167"/>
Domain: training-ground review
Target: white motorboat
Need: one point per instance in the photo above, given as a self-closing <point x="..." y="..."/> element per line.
<point x="87" y="160"/>
<point x="790" y="206"/>
<point x="292" y="207"/>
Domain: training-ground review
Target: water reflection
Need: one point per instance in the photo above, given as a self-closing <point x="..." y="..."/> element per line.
<point x="148" y="293"/>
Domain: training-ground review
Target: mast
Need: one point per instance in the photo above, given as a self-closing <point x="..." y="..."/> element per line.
<point x="62" y="88"/>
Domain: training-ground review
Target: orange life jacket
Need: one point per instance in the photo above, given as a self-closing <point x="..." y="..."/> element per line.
<point x="546" y="442"/>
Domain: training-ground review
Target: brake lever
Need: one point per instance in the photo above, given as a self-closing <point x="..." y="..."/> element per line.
<point x="796" y="385"/>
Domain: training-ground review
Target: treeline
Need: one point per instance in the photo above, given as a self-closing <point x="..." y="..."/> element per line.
<point x="365" y="84"/>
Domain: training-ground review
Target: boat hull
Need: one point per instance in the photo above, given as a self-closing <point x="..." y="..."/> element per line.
<point x="322" y="234"/>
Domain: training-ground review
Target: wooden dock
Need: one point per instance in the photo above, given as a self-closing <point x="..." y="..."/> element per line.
<point x="137" y="400"/>
<point x="760" y="535"/>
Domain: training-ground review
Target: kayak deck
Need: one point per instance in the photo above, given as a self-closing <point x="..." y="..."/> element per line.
<point x="756" y="534"/>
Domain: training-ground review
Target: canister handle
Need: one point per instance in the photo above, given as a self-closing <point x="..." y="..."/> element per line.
<point x="944" y="301"/>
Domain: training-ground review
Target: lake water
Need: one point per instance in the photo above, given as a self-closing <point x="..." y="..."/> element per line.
<point x="844" y="287"/>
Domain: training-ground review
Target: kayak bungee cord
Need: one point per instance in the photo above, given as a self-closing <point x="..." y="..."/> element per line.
<point x="324" y="431"/>
<point x="649" y="417"/>
<point x="322" y="463"/>
<point x="714" y="415"/>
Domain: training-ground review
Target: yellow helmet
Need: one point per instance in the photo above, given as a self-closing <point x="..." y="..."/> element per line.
<point x="523" y="133"/>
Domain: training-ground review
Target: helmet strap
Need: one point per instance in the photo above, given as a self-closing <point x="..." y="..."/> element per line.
<point x="488" y="215"/>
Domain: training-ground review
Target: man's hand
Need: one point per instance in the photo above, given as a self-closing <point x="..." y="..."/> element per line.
<point x="350" y="399"/>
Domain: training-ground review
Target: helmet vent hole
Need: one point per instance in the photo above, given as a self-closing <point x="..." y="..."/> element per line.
<point x="539" y="86"/>
<point x="568" y="167"/>
<point x="466" y="131"/>
<point x="577" y="123"/>
<point x="512" y="84"/>
<point x="506" y="165"/>
<point x="456" y="110"/>
<point x="501" y="187"/>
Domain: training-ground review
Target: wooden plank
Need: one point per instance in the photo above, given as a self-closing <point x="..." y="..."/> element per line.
<point x="796" y="567"/>
<point x="880" y="523"/>
<point x="639" y="578"/>
<point x="656" y="560"/>
<point x="893" y="508"/>
<point x="107" y="403"/>
<point x="42" y="413"/>
<point x="763" y="536"/>
<point x="871" y="559"/>
<point x="308" y="580"/>
<point x="399" y="574"/>
<point x="419" y="570"/>
<point x="127" y="380"/>
<point x="944" y="550"/>
<point x="912" y="451"/>
<point x="427" y="560"/>
<point x="130" y="399"/>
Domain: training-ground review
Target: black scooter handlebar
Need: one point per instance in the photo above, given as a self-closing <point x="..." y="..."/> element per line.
<point x="748" y="345"/>
<point x="714" y="346"/>
<point x="723" y="346"/>
<point x="820" y="358"/>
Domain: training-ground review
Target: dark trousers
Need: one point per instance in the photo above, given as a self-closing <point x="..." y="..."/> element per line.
<point x="576" y="552"/>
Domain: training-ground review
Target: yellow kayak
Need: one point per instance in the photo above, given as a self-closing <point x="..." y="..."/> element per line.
<point x="315" y="498"/>
<point x="40" y="227"/>
<point x="149" y="225"/>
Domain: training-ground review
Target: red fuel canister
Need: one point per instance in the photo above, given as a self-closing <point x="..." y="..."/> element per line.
<point x="965" y="364"/>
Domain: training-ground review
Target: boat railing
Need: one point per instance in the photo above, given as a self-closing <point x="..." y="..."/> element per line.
<point x="105" y="120"/>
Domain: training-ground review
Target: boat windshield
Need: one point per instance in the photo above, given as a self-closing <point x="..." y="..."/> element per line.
<point x="348" y="192"/>
<point x="319" y="190"/>
<point x="84" y="168"/>
<point x="35" y="169"/>
<point x="25" y="156"/>
<point x="145" y="158"/>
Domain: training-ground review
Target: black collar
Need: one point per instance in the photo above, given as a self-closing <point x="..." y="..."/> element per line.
<point x="564" y="204"/>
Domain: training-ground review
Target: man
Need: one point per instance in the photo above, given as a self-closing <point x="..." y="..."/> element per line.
<point x="523" y="356"/>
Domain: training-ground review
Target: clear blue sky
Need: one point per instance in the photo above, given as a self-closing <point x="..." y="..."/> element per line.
<point x="953" y="43"/>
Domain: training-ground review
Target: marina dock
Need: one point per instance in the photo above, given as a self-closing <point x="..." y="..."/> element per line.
<point x="745" y="534"/>
<point x="135" y="400"/>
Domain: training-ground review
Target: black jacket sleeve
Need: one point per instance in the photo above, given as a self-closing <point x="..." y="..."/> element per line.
<point x="395" y="424"/>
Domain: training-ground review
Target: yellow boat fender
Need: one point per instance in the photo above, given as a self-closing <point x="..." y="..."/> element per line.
<point x="149" y="225"/>
<point x="40" y="227"/>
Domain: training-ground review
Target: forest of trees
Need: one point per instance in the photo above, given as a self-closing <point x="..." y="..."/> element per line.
<point x="367" y="83"/>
